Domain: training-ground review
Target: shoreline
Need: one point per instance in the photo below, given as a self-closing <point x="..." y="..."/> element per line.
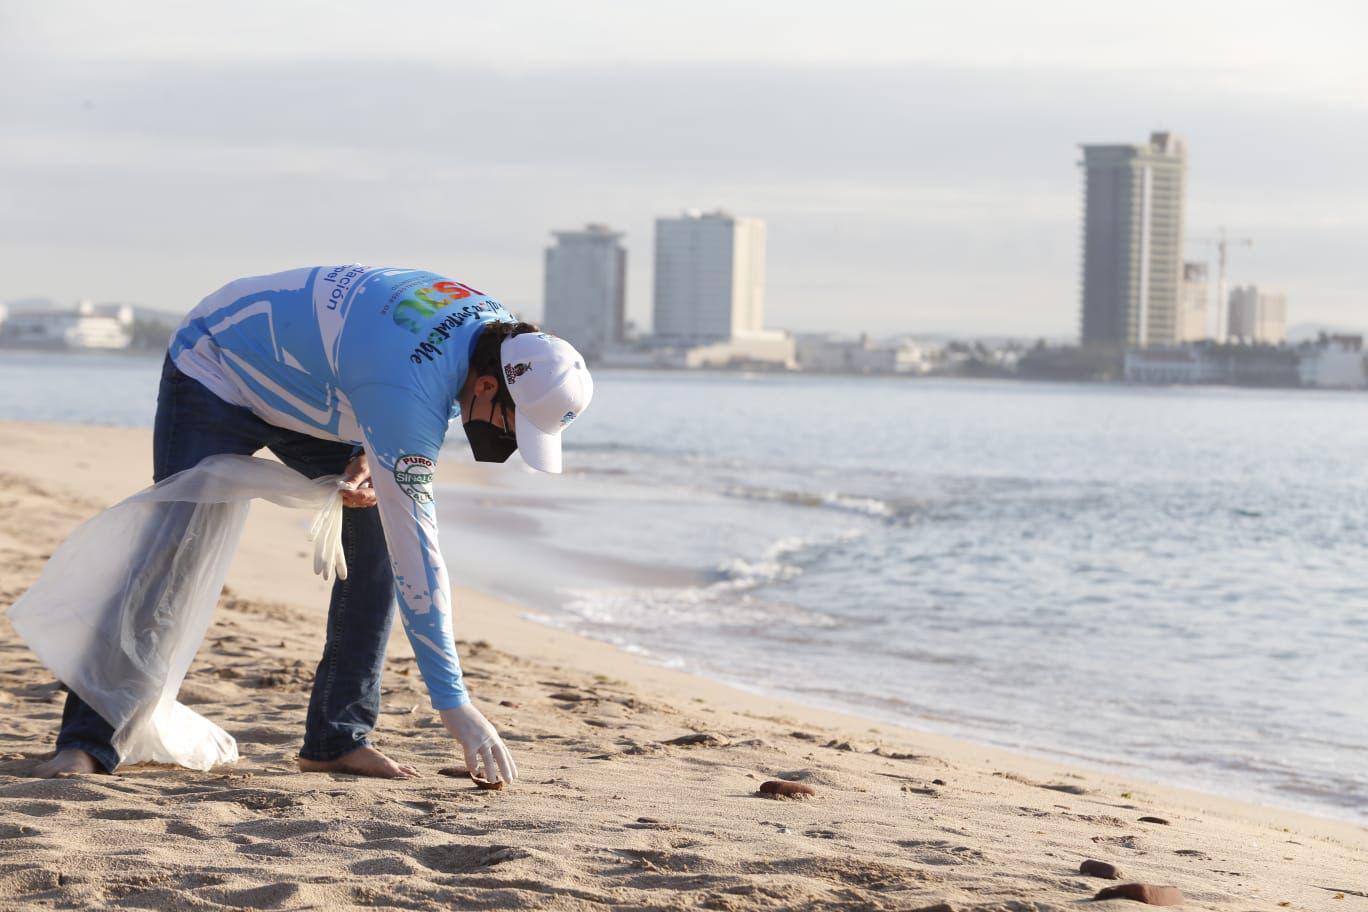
<point x="522" y="530"/>
<point x="738" y="696"/>
<point x="1008" y="825"/>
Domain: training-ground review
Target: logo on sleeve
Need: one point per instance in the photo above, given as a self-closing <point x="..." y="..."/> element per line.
<point x="413" y="474"/>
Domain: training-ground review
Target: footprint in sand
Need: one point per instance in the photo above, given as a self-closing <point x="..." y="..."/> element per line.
<point x="187" y="830"/>
<point x="942" y="852"/>
<point x="397" y="865"/>
<point x="33" y="808"/>
<point x="125" y="813"/>
<point x="32" y="880"/>
<point x="280" y="829"/>
<point x="462" y="859"/>
<point x="270" y="850"/>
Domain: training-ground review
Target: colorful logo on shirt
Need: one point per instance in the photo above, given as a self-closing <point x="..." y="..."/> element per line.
<point x="513" y="371"/>
<point x="413" y="474"/>
<point x="424" y="303"/>
<point x="567" y="418"/>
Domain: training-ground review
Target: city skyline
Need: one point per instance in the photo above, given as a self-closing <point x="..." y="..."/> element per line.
<point x="918" y="185"/>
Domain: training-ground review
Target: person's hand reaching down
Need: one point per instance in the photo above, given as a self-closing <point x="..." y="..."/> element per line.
<point x="485" y="754"/>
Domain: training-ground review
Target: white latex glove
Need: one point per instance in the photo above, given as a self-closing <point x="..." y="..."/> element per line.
<point x="326" y="534"/>
<point x="483" y="747"/>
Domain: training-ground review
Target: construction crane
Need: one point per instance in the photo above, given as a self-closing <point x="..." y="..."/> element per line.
<point x="1222" y="244"/>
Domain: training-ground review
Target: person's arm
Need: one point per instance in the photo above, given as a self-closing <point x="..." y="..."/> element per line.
<point x="402" y="442"/>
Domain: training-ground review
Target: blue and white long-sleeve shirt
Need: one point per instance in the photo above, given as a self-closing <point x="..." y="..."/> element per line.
<point x="365" y="355"/>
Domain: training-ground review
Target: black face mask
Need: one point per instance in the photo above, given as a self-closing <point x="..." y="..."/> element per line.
<point x="489" y="442"/>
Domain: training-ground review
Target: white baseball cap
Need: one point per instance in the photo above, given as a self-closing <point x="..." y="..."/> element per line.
<point x="550" y="387"/>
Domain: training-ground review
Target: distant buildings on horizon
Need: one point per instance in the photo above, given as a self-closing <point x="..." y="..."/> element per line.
<point x="585" y="291"/>
<point x="709" y="294"/>
<point x="1138" y="291"/>
<point x="1145" y="315"/>
<point x="1257" y="316"/>
<point x="87" y="326"/>
<point x="1133" y="242"/>
<point x="709" y="277"/>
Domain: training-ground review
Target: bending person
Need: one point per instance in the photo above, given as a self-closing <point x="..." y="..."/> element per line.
<point x="359" y="370"/>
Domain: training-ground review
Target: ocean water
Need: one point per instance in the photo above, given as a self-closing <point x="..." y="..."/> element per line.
<point x="1168" y="582"/>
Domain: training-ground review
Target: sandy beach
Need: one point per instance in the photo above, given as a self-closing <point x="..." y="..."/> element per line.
<point x="639" y="784"/>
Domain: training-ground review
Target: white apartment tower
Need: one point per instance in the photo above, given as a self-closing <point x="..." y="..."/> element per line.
<point x="585" y="293"/>
<point x="709" y="277"/>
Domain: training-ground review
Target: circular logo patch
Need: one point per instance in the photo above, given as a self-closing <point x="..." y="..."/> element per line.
<point x="413" y="474"/>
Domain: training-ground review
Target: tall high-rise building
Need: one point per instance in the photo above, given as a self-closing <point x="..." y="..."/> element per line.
<point x="1133" y="242"/>
<point x="1192" y="304"/>
<point x="709" y="277"/>
<point x="585" y="292"/>
<point x="1257" y="317"/>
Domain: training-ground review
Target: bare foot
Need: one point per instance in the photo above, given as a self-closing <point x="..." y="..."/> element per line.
<point x="65" y="764"/>
<point x="364" y="761"/>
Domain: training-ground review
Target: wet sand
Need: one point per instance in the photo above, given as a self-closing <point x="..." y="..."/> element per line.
<point x="614" y="809"/>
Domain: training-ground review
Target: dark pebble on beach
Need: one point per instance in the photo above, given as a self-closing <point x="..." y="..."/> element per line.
<point x="1103" y="869"/>
<point x="1145" y="893"/>
<point x="694" y="739"/>
<point x="1154" y="820"/>
<point x="780" y="788"/>
<point x="460" y="772"/>
<point x="491" y="785"/>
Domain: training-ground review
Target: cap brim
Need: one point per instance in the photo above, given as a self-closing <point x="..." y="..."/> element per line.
<point x="540" y="450"/>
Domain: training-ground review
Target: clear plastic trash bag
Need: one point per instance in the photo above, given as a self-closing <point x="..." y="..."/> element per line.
<point x="120" y="609"/>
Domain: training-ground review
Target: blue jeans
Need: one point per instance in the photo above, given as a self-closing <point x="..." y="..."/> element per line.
<point x="192" y="423"/>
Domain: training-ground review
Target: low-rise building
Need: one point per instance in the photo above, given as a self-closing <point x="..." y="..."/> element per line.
<point x="87" y="326"/>
<point x="1333" y="362"/>
<point x="844" y="355"/>
<point x="1207" y="362"/>
<point x="1172" y="365"/>
<point x="763" y="348"/>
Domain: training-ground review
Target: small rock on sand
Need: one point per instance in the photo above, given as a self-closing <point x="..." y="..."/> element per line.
<point x="460" y="772"/>
<point x="780" y="788"/>
<point x="1103" y="869"/>
<point x="1154" y="820"/>
<point x="695" y="739"/>
<point x="1144" y="893"/>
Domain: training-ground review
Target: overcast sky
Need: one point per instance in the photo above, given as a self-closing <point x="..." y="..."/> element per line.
<point x="916" y="162"/>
